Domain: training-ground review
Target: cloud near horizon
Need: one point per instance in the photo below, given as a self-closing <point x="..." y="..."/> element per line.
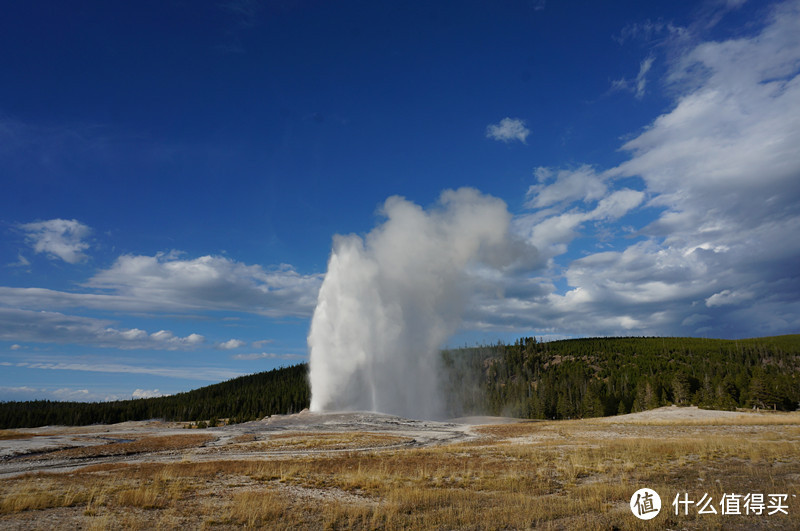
<point x="53" y="327"/>
<point x="268" y="356"/>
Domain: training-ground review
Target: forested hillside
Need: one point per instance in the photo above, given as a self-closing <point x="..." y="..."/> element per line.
<point x="245" y="398"/>
<point x="561" y="379"/>
<point x="607" y="376"/>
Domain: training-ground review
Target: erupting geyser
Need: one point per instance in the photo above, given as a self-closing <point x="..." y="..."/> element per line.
<point x="390" y="301"/>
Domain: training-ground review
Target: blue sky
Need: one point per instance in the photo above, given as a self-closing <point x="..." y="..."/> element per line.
<point x="173" y="172"/>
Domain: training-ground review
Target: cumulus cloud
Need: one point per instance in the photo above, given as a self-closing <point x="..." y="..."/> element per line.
<point x="58" y="238"/>
<point x="208" y="283"/>
<point x="551" y="234"/>
<point x="146" y="393"/>
<point x="508" y="130"/>
<point x="231" y="344"/>
<point x="165" y="282"/>
<point x="719" y="174"/>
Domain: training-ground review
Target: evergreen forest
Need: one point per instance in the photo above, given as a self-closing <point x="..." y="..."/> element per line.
<point x="572" y="378"/>
<point x="596" y="377"/>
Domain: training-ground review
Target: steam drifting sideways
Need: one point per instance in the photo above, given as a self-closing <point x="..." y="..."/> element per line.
<point x="389" y="302"/>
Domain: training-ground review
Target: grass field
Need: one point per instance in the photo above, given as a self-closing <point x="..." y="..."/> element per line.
<point x="550" y="475"/>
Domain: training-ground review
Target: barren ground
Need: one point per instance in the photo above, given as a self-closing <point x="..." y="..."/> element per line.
<point x="368" y="470"/>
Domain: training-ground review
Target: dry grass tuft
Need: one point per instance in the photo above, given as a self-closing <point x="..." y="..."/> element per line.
<point x="258" y="508"/>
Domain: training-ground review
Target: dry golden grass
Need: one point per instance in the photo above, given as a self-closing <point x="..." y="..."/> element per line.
<point x="331" y="441"/>
<point x="256" y="508"/>
<point x="552" y="475"/>
<point x="6" y="435"/>
<point x="741" y="418"/>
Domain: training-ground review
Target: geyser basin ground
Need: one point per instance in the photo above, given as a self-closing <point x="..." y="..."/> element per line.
<point x="367" y="470"/>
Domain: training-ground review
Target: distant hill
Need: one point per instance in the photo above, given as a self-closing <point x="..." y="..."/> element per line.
<point x="241" y="399"/>
<point x="531" y="379"/>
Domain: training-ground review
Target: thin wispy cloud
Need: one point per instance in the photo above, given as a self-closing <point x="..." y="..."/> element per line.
<point x="54" y="327"/>
<point x="24" y="392"/>
<point x="637" y="85"/>
<point x="268" y="356"/>
<point x="184" y="372"/>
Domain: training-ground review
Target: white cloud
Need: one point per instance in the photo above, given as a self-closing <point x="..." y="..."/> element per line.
<point x="72" y="395"/>
<point x="58" y="238"/>
<point x="164" y="281"/>
<point x="720" y="176"/>
<point x="54" y="327"/>
<point x="5" y="390"/>
<point x="649" y="31"/>
<point x="508" y="130"/>
<point x="21" y="261"/>
<point x="570" y="185"/>
<point x="25" y="392"/>
<point x="551" y="234"/>
<point x="231" y="344"/>
<point x="617" y="204"/>
<point x="641" y="77"/>
<point x="146" y="393"/>
<point x="726" y="297"/>
<point x="637" y="85"/>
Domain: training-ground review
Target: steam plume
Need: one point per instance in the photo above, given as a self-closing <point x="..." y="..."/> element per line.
<point x="390" y="301"/>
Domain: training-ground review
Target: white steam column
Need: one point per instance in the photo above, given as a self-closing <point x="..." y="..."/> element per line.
<point x="390" y="301"/>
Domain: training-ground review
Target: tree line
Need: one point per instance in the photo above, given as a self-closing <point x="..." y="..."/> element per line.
<point x="242" y="399"/>
<point x="529" y="379"/>
<point x="607" y="376"/>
